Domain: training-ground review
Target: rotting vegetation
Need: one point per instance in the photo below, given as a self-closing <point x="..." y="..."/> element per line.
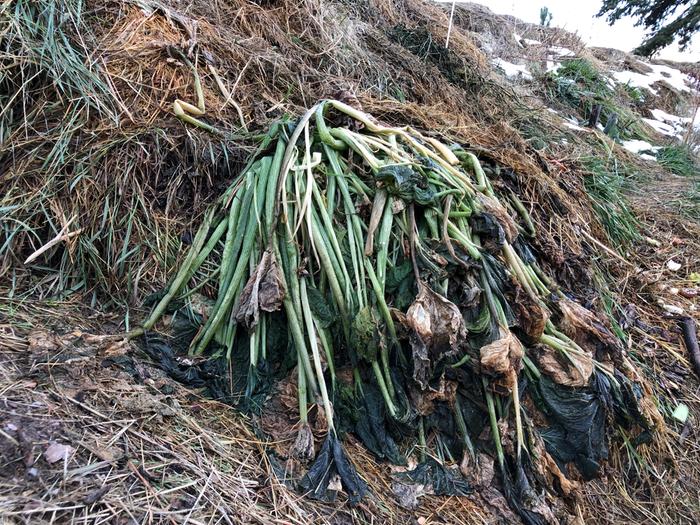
<point x="141" y="137"/>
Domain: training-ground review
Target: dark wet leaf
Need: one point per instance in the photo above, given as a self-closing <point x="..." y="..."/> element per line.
<point x="331" y="462"/>
<point x="371" y="427"/>
<point x="444" y="481"/>
<point x="323" y="312"/>
<point x="365" y="334"/>
<point x="406" y="183"/>
<point x="490" y="231"/>
<point x="577" y="419"/>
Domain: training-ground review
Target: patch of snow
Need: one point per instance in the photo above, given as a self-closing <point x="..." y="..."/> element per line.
<point x="512" y="70"/>
<point x="661" y="127"/>
<point x="660" y="114"/>
<point x="646" y="156"/>
<point x="667" y="124"/>
<point x="531" y="42"/>
<point x="562" y="51"/>
<point x="518" y="38"/>
<point x="674" y="77"/>
<point x="553" y="66"/>
<point x="571" y="125"/>
<point x="638" y="146"/>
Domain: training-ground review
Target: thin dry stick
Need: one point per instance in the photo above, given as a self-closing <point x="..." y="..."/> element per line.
<point x="607" y="250"/>
<point x="449" y="27"/>
<point x="60" y="236"/>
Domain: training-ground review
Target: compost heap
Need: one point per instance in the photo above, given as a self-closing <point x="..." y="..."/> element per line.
<point x="387" y="278"/>
<point x="383" y="275"/>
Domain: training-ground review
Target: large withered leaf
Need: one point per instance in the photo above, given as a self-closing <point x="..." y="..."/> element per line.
<point x="531" y="316"/>
<point x="503" y="358"/>
<point x="263" y="291"/>
<point x="574" y="371"/>
<point x="438" y="331"/>
<point x="587" y="329"/>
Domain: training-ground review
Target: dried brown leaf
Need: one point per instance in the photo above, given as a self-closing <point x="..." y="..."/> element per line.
<point x="503" y="358"/>
<point x="438" y="330"/>
<point x="561" y="370"/>
<point x="263" y="291"/>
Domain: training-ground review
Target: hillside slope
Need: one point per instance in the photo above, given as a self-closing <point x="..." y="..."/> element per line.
<point x="106" y="181"/>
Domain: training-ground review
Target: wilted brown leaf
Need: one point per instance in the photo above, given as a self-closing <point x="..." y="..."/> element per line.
<point x="503" y="358"/>
<point x="561" y="370"/>
<point x="57" y="452"/>
<point x="263" y="291"/>
<point x="438" y="330"/>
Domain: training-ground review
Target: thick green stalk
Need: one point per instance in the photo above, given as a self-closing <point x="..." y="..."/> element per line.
<point x="271" y="197"/>
<point x="210" y="328"/>
<point x="383" y="242"/>
<point x="494" y="423"/>
<point x="327" y="266"/>
<point x="462" y="426"/>
<point x="226" y="256"/>
<point x="292" y="302"/>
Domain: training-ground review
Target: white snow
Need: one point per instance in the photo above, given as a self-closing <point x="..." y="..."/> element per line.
<point x="667" y="124"/>
<point x="512" y="70"/>
<point x="672" y="76"/>
<point x="553" y="66"/>
<point x="561" y="51"/>
<point x="518" y="38"/>
<point x="638" y="146"/>
<point x="571" y="125"/>
<point x="661" y="127"/>
<point x="660" y="114"/>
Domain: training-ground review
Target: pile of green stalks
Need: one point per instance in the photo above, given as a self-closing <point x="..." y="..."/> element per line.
<point x="381" y="267"/>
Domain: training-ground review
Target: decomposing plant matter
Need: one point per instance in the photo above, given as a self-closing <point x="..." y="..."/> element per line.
<point x="381" y="264"/>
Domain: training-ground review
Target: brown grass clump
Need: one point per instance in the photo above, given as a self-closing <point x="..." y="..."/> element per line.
<point x="104" y="186"/>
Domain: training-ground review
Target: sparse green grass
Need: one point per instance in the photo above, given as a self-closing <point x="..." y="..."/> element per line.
<point x="678" y="159"/>
<point x="689" y="204"/>
<point x="604" y="181"/>
<point x="635" y="94"/>
<point x="578" y="84"/>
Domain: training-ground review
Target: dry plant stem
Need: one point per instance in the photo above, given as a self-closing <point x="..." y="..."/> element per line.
<point x="62" y="235"/>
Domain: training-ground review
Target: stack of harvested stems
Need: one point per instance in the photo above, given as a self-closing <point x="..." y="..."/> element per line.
<point x="383" y="265"/>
